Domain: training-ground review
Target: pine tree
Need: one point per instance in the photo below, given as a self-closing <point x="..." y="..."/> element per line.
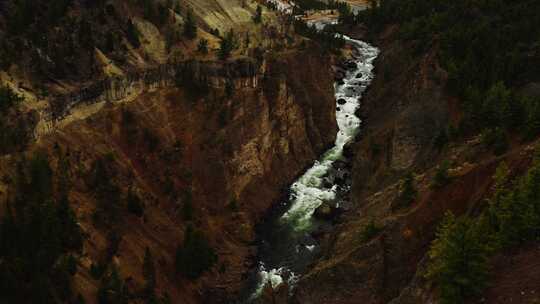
<point x="134" y="204"/>
<point x="8" y="99"/>
<point x="515" y="213"/>
<point x="227" y="45"/>
<point x="187" y="208"/>
<point x="408" y="191"/>
<point x="202" y="46"/>
<point x="258" y="15"/>
<point x="149" y="272"/>
<point x="441" y="177"/>
<point x="190" y="27"/>
<point x="194" y="256"/>
<point x="132" y="34"/>
<point x="532" y="127"/>
<point x="70" y="231"/>
<point x="458" y="259"/>
<point x="441" y="140"/>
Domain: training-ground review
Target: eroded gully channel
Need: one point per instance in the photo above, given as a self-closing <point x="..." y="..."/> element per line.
<point x="287" y="239"/>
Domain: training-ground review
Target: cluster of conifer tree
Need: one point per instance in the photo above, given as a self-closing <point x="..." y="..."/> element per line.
<point x="11" y="133"/>
<point x="39" y="236"/>
<point x="459" y="256"/>
<point x="488" y="48"/>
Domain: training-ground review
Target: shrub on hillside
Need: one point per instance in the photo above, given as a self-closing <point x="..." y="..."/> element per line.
<point x="195" y="255"/>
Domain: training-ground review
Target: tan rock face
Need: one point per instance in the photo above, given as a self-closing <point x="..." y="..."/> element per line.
<point x="210" y="149"/>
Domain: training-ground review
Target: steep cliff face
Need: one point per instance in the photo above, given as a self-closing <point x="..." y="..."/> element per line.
<point x="225" y="152"/>
<point x="404" y="111"/>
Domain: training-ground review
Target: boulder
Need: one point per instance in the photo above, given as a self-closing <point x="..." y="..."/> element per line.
<point x="341" y="101"/>
<point x="339" y="164"/>
<point x="348" y="149"/>
<point x="275" y="295"/>
<point x="326" y="211"/>
<point x="351" y="65"/>
<point x="321" y="231"/>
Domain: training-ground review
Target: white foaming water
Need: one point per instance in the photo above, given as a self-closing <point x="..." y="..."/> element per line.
<point x="308" y="192"/>
<point x="320" y="24"/>
<point x="273" y="277"/>
<point x="283" y="6"/>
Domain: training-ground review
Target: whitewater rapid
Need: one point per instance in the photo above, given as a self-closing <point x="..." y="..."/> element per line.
<point x="311" y="189"/>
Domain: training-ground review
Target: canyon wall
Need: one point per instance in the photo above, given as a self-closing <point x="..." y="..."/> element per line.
<point x="228" y="152"/>
<point x="405" y="109"/>
<point x="240" y="73"/>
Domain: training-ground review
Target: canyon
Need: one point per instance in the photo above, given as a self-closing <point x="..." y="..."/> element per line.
<point x="289" y="158"/>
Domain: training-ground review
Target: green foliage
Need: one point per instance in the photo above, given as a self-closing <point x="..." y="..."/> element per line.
<point x="108" y="195"/>
<point x="202" y="46"/>
<point x="495" y="139"/>
<point x="233" y="206"/>
<point x="215" y="32"/>
<point x="57" y="10"/>
<point x="151" y="140"/>
<point x="258" y="15"/>
<point x="149" y="273"/>
<point x="532" y="117"/>
<point x="459" y="254"/>
<point x="190" y="27"/>
<point x="369" y="231"/>
<point x="23" y="15"/>
<point x="408" y="191"/>
<point x="97" y="270"/>
<point x="37" y="238"/>
<point x="487" y="48"/>
<point x="514" y="211"/>
<point x="187" y="208"/>
<point x="8" y="99"/>
<point x="134" y="204"/>
<point x="441" y="177"/>
<point x="86" y="34"/>
<point x="229" y="89"/>
<point x="345" y="14"/>
<point x="374" y="146"/>
<point x="71" y="234"/>
<point x="227" y="44"/>
<point x="459" y="259"/>
<point x="441" y="140"/>
<point x="194" y="256"/>
<point x="132" y="34"/>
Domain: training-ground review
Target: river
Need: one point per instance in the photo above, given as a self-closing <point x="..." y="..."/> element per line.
<point x="287" y="247"/>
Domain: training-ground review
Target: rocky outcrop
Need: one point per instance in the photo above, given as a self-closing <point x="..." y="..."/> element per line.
<point x="405" y="109"/>
<point x="240" y="73"/>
